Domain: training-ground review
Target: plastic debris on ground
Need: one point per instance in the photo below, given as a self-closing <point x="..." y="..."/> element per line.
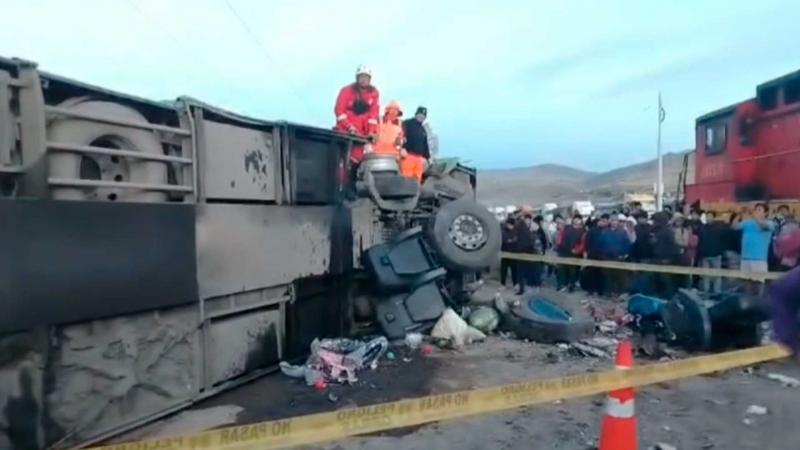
<point x="607" y="326"/>
<point x="663" y="446"/>
<point x="337" y="360"/>
<point x="784" y="380"/>
<point x="718" y="402"/>
<point x="503" y="305"/>
<point x="588" y="350"/>
<point x="645" y="305"/>
<point x="413" y="340"/>
<point x="602" y="342"/>
<point x="602" y="311"/>
<point x="484" y="318"/>
<point x="756" y="410"/>
<point x="426" y="350"/>
<point x="310" y="375"/>
<point x="453" y="329"/>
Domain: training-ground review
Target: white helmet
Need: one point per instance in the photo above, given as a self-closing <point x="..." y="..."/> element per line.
<point x="363" y="70"/>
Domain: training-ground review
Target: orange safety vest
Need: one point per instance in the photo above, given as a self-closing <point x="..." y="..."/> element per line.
<point x="389" y="136"/>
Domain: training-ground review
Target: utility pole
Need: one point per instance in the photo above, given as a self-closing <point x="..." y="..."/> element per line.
<point x="660" y="178"/>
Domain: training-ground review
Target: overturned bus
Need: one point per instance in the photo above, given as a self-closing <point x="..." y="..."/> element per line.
<point x="153" y="253"/>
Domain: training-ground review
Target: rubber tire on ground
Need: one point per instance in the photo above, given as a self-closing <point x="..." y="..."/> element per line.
<point x="450" y="255"/>
<point x="392" y="187"/>
<point x="526" y="324"/>
<point x="83" y="132"/>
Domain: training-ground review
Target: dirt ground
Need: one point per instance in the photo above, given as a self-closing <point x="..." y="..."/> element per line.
<point x="699" y="413"/>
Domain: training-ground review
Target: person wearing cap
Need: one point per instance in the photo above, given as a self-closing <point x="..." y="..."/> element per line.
<point x="571" y="244"/>
<point x="527" y="242"/>
<point x="642" y="250"/>
<point x="509" y="244"/>
<point x="390" y="134"/>
<point x="616" y="246"/>
<point x="710" y="249"/>
<point x="687" y="245"/>
<point x="593" y="279"/>
<point x="357" y="109"/>
<point x="417" y="152"/>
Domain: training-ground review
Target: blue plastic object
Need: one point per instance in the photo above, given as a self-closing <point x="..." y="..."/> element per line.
<point x="645" y="306"/>
<point x="546" y="309"/>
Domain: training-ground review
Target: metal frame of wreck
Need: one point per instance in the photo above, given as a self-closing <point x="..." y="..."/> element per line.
<point x="157" y="305"/>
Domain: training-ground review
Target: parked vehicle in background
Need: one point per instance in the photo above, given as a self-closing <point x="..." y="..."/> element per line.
<point x="502" y="212"/>
<point x="647" y="201"/>
<point x="585" y="208"/>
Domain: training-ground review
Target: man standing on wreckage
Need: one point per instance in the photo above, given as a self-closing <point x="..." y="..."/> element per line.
<point x="785" y="297"/>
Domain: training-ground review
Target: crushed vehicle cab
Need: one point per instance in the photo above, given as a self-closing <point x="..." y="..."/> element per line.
<point x="156" y="253"/>
<point x="436" y="233"/>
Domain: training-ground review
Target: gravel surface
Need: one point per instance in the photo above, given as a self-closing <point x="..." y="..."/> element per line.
<point x="708" y="412"/>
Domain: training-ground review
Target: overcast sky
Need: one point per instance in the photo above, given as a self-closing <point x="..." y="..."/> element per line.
<point x="507" y="84"/>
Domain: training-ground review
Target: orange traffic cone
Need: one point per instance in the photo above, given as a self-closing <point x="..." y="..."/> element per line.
<point x="619" y="423"/>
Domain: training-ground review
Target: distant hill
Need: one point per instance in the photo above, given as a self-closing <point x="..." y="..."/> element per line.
<point x="561" y="184"/>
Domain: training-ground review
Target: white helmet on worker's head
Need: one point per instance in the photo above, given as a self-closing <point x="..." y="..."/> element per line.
<point x="363" y="69"/>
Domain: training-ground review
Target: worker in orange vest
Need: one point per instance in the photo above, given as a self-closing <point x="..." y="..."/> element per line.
<point x="390" y="133"/>
<point x="357" y="109"/>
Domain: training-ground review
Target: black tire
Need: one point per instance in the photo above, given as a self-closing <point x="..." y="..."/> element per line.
<point x="528" y="325"/>
<point x="395" y="186"/>
<point x="457" y="257"/>
<point x="687" y="318"/>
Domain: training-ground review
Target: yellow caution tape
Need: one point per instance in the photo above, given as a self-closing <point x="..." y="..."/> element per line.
<point x="339" y="424"/>
<point x="641" y="267"/>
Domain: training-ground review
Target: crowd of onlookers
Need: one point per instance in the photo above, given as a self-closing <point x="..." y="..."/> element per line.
<point x="752" y="241"/>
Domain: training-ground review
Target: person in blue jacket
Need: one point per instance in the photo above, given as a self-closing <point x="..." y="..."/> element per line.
<point x="616" y="244"/>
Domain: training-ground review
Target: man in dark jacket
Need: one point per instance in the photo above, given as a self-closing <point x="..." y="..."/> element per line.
<point x="665" y="252"/>
<point x="542" y="244"/>
<point x="642" y="249"/>
<point x="642" y="252"/>
<point x="417" y="153"/>
<point x="594" y="238"/>
<point x="593" y="279"/>
<point x="571" y="245"/>
<point x="710" y="248"/>
<point x="527" y="242"/>
<point x="509" y="245"/>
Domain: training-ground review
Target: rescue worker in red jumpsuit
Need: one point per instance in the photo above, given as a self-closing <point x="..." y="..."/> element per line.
<point x="358" y="109"/>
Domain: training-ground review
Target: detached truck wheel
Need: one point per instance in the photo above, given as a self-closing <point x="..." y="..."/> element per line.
<point x="465" y="235"/>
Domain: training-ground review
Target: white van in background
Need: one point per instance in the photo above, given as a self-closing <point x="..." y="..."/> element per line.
<point x="584" y="208"/>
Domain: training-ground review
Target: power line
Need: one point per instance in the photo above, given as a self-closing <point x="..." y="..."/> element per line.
<point x="182" y="46"/>
<point x="163" y="29"/>
<point x="252" y="35"/>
